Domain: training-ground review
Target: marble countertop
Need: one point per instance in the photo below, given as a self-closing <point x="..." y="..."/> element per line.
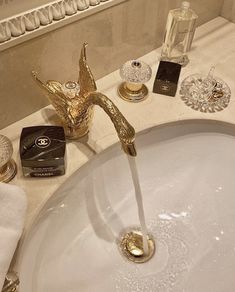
<point x="213" y="46"/>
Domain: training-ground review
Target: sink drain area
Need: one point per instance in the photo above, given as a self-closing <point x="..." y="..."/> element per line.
<point x="131" y="246"/>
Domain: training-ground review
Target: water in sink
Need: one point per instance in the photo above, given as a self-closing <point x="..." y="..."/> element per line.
<point x="139" y="200"/>
<point x="187" y="177"/>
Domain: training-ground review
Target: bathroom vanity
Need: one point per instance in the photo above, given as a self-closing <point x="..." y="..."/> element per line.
<point x="213" y="46"/>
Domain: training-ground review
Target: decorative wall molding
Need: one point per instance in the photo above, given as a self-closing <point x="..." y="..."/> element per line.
<point x="35" y="22"/>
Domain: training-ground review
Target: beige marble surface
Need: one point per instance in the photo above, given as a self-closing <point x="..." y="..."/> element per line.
<point x="213" y="46"/>
<point x="115" y="35"/>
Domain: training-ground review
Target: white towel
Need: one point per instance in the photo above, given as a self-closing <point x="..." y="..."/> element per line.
<point x="12" y="213"/>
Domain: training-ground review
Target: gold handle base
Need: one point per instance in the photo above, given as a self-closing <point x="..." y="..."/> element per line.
<point x="131" y="95"/>
<point x="8" y="171"/>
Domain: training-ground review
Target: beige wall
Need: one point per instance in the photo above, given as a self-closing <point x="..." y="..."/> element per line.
<point x="228" y="10"/>
<point x="123" y="32"/>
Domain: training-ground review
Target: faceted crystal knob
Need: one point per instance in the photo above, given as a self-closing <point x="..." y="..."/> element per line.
<point x="7" y="164"/>
<point x="134" y="73"/>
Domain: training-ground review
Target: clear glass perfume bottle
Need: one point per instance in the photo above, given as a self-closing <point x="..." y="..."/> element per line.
<point x="180" y="28"/>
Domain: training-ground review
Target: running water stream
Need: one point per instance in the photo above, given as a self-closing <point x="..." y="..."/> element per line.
<point x="139" y="200"/>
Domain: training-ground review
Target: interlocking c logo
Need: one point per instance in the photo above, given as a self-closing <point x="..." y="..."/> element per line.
<point x="42" y="142"/>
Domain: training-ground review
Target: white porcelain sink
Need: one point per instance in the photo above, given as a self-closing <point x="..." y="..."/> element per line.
<point x="187" y="174"/>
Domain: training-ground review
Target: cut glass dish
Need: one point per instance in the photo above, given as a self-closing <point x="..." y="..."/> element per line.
<point x="207" y="94"/>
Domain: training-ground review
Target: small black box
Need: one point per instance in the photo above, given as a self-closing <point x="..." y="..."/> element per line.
<point x="167" y="78"/>
<point x="42" y="151"/>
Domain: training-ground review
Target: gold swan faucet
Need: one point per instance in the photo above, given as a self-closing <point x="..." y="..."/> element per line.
<point x="76" y="111"/>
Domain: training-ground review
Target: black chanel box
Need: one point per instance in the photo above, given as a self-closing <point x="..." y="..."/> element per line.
<point x="167" y="78"/>
<point x="42" y="151"/>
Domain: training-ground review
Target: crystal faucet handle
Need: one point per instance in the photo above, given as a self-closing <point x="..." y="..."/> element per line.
<point x="134" y="74"/>
<point x="7" y="164"/>
<point x="135" y="71"/>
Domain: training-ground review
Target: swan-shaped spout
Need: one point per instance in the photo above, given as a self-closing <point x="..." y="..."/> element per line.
<point x="76" y="112"/>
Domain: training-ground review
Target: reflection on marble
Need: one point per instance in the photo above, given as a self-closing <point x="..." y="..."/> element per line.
<point x="123" y="32"/>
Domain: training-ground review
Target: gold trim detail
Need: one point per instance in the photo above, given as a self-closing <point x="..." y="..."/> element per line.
<point x="131" y="247"/>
